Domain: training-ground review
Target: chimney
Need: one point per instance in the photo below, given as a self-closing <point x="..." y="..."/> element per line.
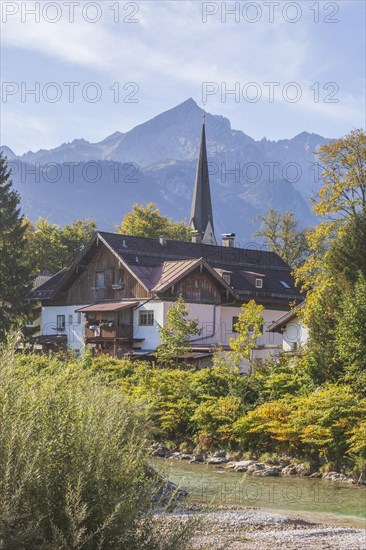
<point x="228" y="240"/>
<point x="196" y="236"/>
<point x="163" y="240"/>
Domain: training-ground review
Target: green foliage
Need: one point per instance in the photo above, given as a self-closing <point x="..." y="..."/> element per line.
<point x="281" y="234"/>
<point x="249" y="328"/>
<point x="316" y="426"/>
<point x="51" y="247"/>
<point x="351" y="336"/>
<point x="72" y="461"/>
<point x="175" y="334"/>
<point x="146" y="221"/>
<point x="15" y="269"/>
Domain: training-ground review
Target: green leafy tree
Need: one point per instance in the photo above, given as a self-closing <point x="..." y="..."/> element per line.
<point x="351" y="336"/>
<point x="249" y="328"/>
<point x="175" y="334"/>
<point x="281" y="234"/>
<point x="146" y="221"/>
<point x="15" y="270"/>
<point x="337" y="250"/>
<point x="52" y="247"/>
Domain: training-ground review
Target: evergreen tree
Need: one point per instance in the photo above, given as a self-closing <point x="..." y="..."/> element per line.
<point x="15" y="271"/>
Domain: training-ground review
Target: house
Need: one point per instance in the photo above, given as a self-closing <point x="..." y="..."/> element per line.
<point x="295" y="335"/>
<point x="118" y="290"/>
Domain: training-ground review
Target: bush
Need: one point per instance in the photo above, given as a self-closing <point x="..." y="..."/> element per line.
<point x="72" y="464"/>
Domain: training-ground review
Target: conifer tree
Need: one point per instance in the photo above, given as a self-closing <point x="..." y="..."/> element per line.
<point x="15" y="272"/>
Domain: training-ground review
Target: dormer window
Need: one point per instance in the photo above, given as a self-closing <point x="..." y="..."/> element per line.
<point x="258" y="283"/>
<point x="226" y="277"/>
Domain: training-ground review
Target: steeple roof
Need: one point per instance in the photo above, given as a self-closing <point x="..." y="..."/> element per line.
<point x="201" y="218"/>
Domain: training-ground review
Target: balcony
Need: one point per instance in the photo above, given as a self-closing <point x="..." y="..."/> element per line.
<point x="122" y="331"/>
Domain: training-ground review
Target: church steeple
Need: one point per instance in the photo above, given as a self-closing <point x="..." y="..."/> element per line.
<point x="201" y="220"/>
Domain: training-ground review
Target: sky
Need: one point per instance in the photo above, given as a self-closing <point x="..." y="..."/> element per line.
<point x="100" y="67"/>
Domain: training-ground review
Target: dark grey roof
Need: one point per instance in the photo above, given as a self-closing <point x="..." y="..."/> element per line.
<point x="40" y="280"/>
<point x="46" y="290"/>
<point x="145" y="258"/>
<point x="148" y="259"/>
<point x="201" y="210"/>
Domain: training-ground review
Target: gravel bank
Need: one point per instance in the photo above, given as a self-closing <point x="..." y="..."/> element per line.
<point x="234" y="529"/>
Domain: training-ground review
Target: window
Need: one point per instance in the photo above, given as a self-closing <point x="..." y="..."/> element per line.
<point x="283" y="283"/>
<point x="226" y="277"/>
<point x="99" y="279"/>
<point x="118" y="276"/>
<point x="70" y="319"/>
<point x="235" y="320"/>
<point x="78" y="318"/>
<point x="146" y="318"/>
<point x="259" y="283"/>
<point x="60" y="322"/>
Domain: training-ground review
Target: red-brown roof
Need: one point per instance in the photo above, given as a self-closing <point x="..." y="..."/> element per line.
<point x="107" y="306"/>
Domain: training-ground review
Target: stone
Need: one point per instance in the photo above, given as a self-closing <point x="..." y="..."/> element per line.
<point x="243" y="465"/>
<point x="185" y="456"/>
<point x="219" y="454"/>
<point x="161" y="451"/>
<point x="200" y="457"/>
<point x="256" y="466"/>
<point x="270" y="471"/>
<point x="217" y="460"/>
<point x="316" y="474"/>
<point x="335" y="476"/>
<point x="289" y="471"/>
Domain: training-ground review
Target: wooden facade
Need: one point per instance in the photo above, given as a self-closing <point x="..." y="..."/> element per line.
<point x="199" y="286"/>
<point x="119" y="284"/>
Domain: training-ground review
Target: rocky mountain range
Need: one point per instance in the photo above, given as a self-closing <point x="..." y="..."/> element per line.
<point x="156" y="161"/>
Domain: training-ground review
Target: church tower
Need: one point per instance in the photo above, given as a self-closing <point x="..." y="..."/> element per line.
<point x="201" y="220"/>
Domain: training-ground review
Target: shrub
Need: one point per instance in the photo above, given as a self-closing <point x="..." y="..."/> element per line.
<point x="72" y="464"/>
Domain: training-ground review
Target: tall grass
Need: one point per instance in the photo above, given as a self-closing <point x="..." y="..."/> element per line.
<point x="72" y="462"/>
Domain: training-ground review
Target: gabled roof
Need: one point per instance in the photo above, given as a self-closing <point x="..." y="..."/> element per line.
<point x="156" y="265"/>
<point x="174" y="271"/>
<point x="278" y="325"/>
<point x="46" y="290"/>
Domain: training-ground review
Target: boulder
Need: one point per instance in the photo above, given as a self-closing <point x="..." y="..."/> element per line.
<point x="243" y="465"/>
<point x="219" y="454"/>
<point x="289" y="471"/>
<point x="270" y="471"/>
<point x="200" y="457"/>
<point x="335" y="476"/>
<point x="316" y="474"/>
<point x="231" y="465"/>
<point x="175" y="455"/>
<point x="297" y="470"/>
<point x="217" y="460"/>
<point x="256" y="466"/>
<point x="161" y="451"/>
<point x="185" y="456"/>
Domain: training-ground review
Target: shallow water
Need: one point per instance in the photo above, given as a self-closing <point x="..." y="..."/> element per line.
<point x="210" y="484"/>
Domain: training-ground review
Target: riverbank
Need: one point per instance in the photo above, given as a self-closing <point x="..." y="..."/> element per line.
<point x="256" y="468"/>
<point x="234" y="528"/>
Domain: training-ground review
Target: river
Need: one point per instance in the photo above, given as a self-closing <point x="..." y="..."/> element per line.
<point x="215" y="485"/>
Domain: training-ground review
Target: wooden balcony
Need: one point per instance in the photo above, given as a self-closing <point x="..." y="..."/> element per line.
<point x="123" y="331"/>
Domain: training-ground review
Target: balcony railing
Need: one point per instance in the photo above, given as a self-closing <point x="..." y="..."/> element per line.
<point x="109" y="333"/>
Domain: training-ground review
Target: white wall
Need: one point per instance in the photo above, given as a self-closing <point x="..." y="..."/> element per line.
<point x="74" y="330"/>
<point x="150" y="334"/>
<point x="216" y="323"/>
<point x="295" y="333"/>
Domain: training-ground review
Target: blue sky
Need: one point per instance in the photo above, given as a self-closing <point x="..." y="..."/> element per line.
<point x="169" y="53"/>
